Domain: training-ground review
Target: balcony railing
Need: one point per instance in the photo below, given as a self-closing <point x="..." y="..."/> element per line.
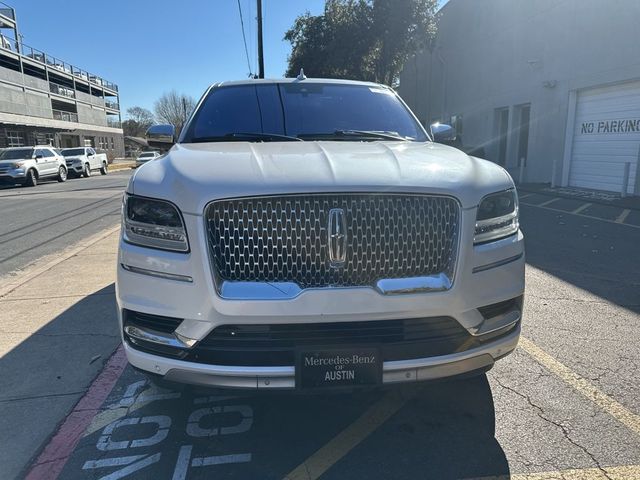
<point x="7" y="11"/>
<point x="62" y="90"/>
<point x="111" y="104"/>
<point x="66" y="116"/>
<point x="114" y="123"/>
<point x="55" y="63"/>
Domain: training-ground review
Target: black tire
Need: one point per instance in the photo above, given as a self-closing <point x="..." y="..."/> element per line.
<point x="62" y="174"/>
<point x="86" y="172"/>
<point x="104" y="169"/>
<point x="32" y="178"/>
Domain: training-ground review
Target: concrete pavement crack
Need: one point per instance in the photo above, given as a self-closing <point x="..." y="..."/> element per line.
<point x="36" y="397"/>
<point x="565" y="431"/>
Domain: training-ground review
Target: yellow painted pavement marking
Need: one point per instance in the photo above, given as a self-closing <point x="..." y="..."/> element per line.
<point x="582" y="386"/>
<point x="630" y="472"/>
<point x="318" y="463"/>
<point x="549" y="202"/>
<point x="623" y="216"/>
<point x="582" y="207"/>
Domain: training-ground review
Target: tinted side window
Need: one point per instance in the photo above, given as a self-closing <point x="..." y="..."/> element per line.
<point x="47" y="153"/>
<point x="237" y="109"/>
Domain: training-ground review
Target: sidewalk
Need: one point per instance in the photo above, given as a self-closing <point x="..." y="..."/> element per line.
<point x="58" y="326"/>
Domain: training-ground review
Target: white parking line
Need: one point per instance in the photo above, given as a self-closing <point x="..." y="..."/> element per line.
<point x="582" y="207"/>
<point x="525" y="195"/>
<point x="623" y="216"/>
<point x="549" y="202"/>
<point x="592" y="217"/>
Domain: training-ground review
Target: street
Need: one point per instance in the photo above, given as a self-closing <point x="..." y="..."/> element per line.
<point x="564" y="405"/>
<point x="47" y="219"/>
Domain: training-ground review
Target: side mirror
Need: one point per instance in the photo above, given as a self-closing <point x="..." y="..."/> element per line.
<point x="443" y="133"/>
<point x="161" y="136"/>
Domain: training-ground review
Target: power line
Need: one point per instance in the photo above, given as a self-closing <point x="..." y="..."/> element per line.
<point x="244" y="38"/>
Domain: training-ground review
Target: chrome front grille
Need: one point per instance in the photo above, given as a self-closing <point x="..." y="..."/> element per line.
<point x="287" y="238"/>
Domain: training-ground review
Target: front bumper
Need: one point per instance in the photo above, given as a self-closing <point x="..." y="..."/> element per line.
<point x="16" y="175"/>
<point x="402" y="371"/>
<point x="75" y="167"/>
<point x="181" y="286"/>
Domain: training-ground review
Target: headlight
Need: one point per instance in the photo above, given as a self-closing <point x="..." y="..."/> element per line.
<point x="153" y="223"/>
<point x="497" y="216"/>
<point x="18" y="165"/>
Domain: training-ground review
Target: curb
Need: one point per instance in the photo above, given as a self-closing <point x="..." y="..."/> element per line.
<point x="43" y="266"/>
<point x="120" y="166"/>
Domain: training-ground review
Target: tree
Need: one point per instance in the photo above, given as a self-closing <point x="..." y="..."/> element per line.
<point x="174" y="108"/>
<point x="361" y="39"/>
<point x="138" y="121"/>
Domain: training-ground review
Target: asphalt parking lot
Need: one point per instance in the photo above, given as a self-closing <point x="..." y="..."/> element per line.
<point x="564" y="405"/>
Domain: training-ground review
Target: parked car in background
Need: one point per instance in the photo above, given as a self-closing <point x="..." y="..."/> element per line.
<point x="82" y="160"/>
<point x="308" y="234"/>
<point x="144" y="157"/>
<point x="27" y="165"/>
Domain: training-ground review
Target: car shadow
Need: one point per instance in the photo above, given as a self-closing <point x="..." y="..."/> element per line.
<point x="600" y="257"/>
<point x="440" y="430"/>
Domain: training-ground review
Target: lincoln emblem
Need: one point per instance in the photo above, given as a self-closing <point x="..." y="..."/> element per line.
<point x="337" y="237"/>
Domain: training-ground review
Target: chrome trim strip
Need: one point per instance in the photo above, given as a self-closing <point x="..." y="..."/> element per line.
<point x="496" y="324"/>
<point x="431" y="283"/>
<point x="499" y="263"/>
<point x="160" y="338"/>
<point x="288" y="290"/>
<point x="154" y="273"/>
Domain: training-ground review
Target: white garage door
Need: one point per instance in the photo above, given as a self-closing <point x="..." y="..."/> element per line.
<point x="606" y="136"/>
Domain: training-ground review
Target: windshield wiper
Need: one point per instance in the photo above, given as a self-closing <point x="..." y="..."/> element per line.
<point x="246" y="137"/>
<point x="342" y="134"/>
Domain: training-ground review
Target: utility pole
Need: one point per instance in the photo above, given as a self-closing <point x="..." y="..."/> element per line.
<point x="260" y="52"/>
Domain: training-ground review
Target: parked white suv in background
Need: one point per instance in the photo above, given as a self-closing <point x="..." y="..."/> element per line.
<point x="310" y="234"/>
<point x="27" y="165"/>
<point x="82" y="160"/>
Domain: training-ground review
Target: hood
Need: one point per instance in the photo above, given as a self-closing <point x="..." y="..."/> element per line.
<point x="72" y="158"/>
<point x="191" y="175"/>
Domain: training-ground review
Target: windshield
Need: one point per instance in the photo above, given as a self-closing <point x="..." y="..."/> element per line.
<point x="70" y="152"/>
<point x="309" y="111"/>
<point x="18" y="154"/>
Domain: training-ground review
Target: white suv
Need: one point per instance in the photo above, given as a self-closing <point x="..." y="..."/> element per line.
<point x="310" y="234"/>
<point x="27" y="165"/>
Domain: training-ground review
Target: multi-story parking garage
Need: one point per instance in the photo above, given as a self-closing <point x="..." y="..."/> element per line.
<point x="551" y="85"/>
<point x="44" y="100"/>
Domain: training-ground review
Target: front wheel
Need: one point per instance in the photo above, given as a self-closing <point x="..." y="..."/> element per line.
<point x="32" y="179"/>
<point x="86" y="172"/>
<point x="62" y="174"/>
<point x="104" y="169"/>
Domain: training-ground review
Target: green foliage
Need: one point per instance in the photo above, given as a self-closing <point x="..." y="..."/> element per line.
<point x="361" y="39"/>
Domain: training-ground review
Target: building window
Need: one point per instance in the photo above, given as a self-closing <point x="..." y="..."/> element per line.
<point x="113" y="144"/>
<point x="15" y="139"/>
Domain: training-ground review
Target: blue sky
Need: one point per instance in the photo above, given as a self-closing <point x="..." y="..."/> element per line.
<point x="151" y="46"/>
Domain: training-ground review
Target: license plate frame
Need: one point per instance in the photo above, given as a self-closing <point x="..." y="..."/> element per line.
<point x="326" y="368"/>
